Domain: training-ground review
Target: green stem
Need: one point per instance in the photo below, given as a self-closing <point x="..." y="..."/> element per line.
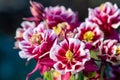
<point x="73" y="77"/>
<point x="81" y="76"/>
<point x="48" y="75"/>
<point x="102" y="72"/>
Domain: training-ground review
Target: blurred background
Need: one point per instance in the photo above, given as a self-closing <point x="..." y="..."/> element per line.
<point x="12" y="67"/>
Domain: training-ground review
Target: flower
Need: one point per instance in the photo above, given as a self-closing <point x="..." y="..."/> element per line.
<point x="107" y="16"/>
<point x="69" y="56"/>
<point x="37" y="39"/>
<point x="36" y="44"/>
<point x="37" y="11"/>
<point x="89" y="33"/>
<point x="58" y="14"/>
<point x="108" y="50"/>
<point x="20" y="31"/>
<point x="53" y="16"/>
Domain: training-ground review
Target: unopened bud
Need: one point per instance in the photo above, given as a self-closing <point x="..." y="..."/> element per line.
<point x="37" y="10"/>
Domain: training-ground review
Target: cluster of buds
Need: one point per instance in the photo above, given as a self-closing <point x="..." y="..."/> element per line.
<point x="66" y="49"/>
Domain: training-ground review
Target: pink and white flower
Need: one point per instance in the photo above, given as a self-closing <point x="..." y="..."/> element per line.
<point x="69" y="56"/>
<point x="53" y="16"/>
<point x="20" y="31"/>
<point x="89" y="33"/>
<point x="36" y="40"/>
<point x="107" y="16"/>
<point x="25" y="26"/>
<point x="109" y="50"/>
<point x="36" y="44"/>
<point x="58" y="14"/>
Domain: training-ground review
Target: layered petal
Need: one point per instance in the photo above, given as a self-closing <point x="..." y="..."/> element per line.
<point x="107" y="16"/>
<point x="90" y="33"/>
<point x="58" y="14"/>
<point x="71" y="57"/>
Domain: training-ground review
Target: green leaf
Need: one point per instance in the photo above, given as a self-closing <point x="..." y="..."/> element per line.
<point x="73" y="77"/>
<point x="80" y="76"/>
<point x="91" y="74"/>
<point x="94" y="54"/>
<point x="48" y="75"/>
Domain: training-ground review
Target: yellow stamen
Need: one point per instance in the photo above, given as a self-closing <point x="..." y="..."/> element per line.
<point x="118" y="50"/>
<point x="64" y="25"/>
<point x="57" y="75"/>
<point x="57" y="29"/>
<point x="60" y="26"/>
<point x="88" y="36"/>
<point x="36" y="38"/>
<point x="69" y="55"/>
<point x="101" y="7"/>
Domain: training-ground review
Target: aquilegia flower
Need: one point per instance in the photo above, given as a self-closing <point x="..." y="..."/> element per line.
<point x="54" y="15"/>
<point x="69" y="56"/>
<point x="110" y="50"/>
<point x="37" y="11"/>
<point x="36" y="44"/>
<point x="58" y="14"/>
<point x="89" y="33"/>
<point x="20" y="31"/>
<point x="107" y="16"/>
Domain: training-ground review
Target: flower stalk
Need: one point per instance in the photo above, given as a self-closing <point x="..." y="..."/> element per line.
<point x="102" y="72"/>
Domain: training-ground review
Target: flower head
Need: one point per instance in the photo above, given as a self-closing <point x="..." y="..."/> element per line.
<point x="36" y="40"/>
<point x="20" y="31"/>
<point x="89" y="33"/>
<point x="57" y="15"/>
<point x="107" y="16"/>
<point x="36" y="44"/>
<point x="69" y="56"/>
<point x="37" y="11"/>
<point x="109" y="50"/>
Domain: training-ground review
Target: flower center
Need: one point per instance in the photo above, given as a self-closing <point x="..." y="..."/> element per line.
<point x="60" y="26"/>
<point x="36" y="38"/>
<point x="88" y="36"/>
<point x="69" y="55"/>
<point x="101" y="7"/>
<point x="118" y="50"/>
<point x="57" y="29"/>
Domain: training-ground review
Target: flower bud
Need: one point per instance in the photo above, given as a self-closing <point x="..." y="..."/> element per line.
<point x="37" y="10"/>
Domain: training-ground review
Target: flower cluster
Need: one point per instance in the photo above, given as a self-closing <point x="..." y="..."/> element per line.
<point x="66" y="49"/>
